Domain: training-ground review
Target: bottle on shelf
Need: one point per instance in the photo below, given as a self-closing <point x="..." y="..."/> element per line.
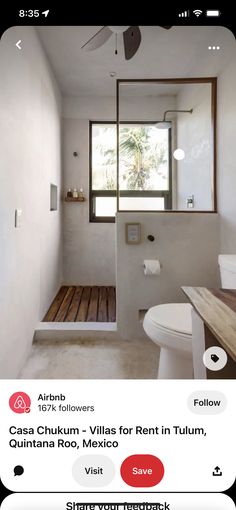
<point x="81" y="194"/>
<point x="69" y="193"/>
<point x="75" y="193"/>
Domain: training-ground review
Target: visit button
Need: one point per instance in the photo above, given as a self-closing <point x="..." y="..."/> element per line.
<point x="142" y="470"/>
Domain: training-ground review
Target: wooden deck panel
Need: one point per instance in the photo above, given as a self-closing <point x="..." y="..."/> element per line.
<point x="83" y="304"/>
<point x="52" y="312"/>
<point x="93" y="305"/>
<point x="111" y="304"/>
<point x="74" y="306"/>
<point x="102" y="305"/>
<point x="63" y="309"/>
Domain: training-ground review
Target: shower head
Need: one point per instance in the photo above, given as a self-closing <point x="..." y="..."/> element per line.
<point x="165" y="124"/>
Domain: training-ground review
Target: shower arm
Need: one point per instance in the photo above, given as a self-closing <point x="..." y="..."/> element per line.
<point x="176" y="111"/>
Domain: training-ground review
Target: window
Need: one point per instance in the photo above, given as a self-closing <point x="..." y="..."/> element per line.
<point x="144" y="169"/>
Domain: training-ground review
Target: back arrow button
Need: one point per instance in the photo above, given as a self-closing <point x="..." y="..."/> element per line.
<point x="18" y="44"/>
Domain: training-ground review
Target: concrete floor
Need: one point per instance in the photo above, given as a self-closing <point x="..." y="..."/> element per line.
<point x="92" y="359"/>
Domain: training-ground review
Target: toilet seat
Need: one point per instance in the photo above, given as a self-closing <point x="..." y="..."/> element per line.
<point x="170" y="326"/>
<point x="173" y="316"/>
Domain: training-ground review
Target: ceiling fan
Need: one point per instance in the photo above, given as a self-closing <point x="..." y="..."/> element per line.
<point x="131" y="38"/>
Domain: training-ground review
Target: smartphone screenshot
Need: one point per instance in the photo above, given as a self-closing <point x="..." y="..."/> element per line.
<point x="117" y="260"/>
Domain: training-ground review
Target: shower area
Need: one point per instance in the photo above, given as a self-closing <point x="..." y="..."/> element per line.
<point x="151" y="153"/>
<point x="86" y="297"/>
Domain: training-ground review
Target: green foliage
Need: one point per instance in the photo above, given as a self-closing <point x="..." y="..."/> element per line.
<point x="142" y="156"/>
<point x="139" y="156"/>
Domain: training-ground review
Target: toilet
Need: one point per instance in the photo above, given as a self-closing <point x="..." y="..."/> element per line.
<point x="170" y="326"/>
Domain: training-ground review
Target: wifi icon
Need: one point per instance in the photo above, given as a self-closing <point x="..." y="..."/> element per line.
<point x="197" y="12"/>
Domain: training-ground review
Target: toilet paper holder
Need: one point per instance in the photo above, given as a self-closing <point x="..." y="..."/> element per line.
<point x="152" y="267"/>
<point x="161" y="265"/>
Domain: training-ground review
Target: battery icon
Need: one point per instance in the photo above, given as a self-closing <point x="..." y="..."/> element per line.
<point x="213" y="13"/>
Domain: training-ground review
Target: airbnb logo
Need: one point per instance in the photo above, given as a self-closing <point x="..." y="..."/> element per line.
<point x="20" y="402"/>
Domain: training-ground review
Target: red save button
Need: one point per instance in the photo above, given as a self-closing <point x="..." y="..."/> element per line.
<point x="142" y="470"/>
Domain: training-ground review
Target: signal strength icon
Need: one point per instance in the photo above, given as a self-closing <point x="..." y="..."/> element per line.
<point x="184" y="14"/>
<point x="197" y="12"/>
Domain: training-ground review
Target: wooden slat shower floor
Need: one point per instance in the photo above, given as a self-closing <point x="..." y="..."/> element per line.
<point x="83" y="304"/>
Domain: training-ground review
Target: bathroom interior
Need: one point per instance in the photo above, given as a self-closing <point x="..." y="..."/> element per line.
<point x="118" y="210"/>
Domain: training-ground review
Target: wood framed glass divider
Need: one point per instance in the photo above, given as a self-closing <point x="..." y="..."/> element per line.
<point x="204" y="80"/>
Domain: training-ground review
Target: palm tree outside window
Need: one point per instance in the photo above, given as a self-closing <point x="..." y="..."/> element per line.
<point x="144" y="169"/>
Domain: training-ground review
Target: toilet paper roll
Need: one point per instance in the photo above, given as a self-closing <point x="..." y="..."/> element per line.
<point x="151" y="267"/>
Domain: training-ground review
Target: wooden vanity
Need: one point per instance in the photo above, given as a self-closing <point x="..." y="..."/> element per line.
<point x="214" y="324"/>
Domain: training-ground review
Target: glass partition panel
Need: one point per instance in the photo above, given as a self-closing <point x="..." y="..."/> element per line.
<point x="165" y="145"/>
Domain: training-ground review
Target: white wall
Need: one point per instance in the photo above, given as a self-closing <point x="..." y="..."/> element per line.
<point x="30" y="257"/>
<point x="145" y="108"/>
<point x="226" y="149"/>
<point x="195" y="172"/>
<point x="104" y="108"/>
<point x="187" y="246"/>
<point x="89" y="248"/>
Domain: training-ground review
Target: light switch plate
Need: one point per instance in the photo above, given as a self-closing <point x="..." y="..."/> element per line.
<point x="133" y="233"/>
<point x="18" y="218"/>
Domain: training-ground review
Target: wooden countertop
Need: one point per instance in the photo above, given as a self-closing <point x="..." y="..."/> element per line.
<point x="217" y="308"/>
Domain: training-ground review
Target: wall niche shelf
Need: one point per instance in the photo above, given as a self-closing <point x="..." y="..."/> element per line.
<point x="72" y="199"/>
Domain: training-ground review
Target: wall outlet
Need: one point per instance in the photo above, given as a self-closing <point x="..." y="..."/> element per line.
<point x="18" y="218"/>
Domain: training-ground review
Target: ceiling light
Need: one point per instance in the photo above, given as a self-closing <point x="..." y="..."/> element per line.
<point x="118" y="30"/>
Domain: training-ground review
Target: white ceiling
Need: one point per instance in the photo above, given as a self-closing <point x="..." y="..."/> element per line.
<point x="178" y="52"/>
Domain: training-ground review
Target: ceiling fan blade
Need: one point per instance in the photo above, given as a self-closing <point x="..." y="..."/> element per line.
<point x="97" y="40"/>
<point x="132" y="40"/>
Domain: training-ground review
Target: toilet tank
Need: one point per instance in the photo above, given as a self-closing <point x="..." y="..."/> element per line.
<point x="227" y="265"/>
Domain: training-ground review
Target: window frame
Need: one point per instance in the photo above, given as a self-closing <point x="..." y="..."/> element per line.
<point x="166" y="194"/>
